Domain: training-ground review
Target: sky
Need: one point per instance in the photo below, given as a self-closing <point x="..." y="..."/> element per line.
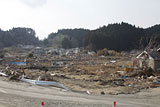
<point x="47" y="16"/>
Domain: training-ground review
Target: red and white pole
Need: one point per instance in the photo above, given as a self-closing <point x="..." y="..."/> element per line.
<point x="42" y="104"/>
<point x="114" y="104"/>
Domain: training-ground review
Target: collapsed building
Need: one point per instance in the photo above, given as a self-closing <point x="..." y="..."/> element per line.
<point x="149" y="59"/>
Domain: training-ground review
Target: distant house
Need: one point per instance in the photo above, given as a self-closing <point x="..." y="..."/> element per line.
<point x="53" y="51"/>
<point x="72" y="51"/>
<point x="150" y="59"/>
<point x="38" y="50"/>
<point x="25" y="46"/>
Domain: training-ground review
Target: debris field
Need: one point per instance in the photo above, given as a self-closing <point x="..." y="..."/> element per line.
<point x="79" y="70"/>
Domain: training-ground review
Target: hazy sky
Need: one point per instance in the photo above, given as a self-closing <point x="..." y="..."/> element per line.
<point x="46" y="16"/>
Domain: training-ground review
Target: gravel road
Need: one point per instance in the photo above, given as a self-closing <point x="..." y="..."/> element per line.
<point x="19" y="94"/>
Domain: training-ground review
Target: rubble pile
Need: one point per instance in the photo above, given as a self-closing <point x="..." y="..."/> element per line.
<point x="108" y="73"/>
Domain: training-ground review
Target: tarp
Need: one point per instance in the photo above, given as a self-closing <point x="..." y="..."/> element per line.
<point x="17" y="63"/>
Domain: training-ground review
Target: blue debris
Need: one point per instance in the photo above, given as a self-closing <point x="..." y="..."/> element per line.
<point x="17" y="63"/>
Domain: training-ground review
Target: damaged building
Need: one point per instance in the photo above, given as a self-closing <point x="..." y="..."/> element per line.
<point x="150" y="59"/>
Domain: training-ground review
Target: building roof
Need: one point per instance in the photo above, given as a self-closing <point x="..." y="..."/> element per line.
<point x="153" y="54"/>
<point x="144" y="52"/>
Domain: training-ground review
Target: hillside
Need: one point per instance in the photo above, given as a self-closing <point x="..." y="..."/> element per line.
<point x="118" y="36"/>
<point x="15" y="36"/>
<point x="122" y="37"/>
<point x="66" y="38"/>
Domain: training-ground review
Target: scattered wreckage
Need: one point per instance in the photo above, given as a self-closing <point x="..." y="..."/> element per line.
<point x="85" y="72"/>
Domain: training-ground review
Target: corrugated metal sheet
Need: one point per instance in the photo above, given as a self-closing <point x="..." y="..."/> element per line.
<point x="45" y="83"/>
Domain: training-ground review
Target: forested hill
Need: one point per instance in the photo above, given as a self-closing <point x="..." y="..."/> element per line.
<point x="123" y="37"/>
<point x="15" y="36"/>
<point x="66" y="38"/>
<point x="118" y="36"/>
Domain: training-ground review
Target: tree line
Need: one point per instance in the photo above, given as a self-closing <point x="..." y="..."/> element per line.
<point x="15" y="36"/>
<point x="118" y="36"/>
<point x="123" y="37"/>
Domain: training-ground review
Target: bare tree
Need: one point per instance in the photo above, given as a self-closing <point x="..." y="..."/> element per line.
<point x="152" y="44"/>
